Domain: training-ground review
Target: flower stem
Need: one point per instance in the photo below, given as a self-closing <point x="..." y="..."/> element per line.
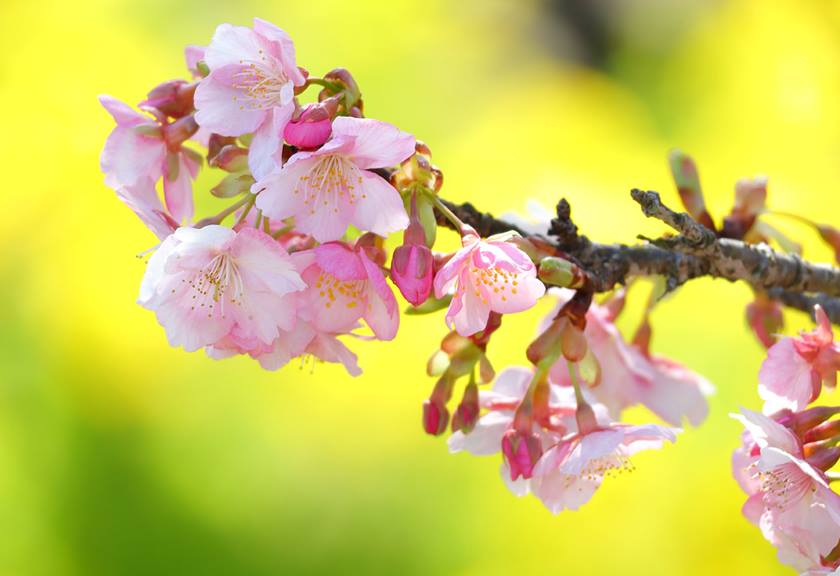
<point x="447" y="213"/>
<point x="218" y="218"/>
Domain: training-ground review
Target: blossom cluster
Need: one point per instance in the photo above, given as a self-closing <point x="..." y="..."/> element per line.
<point x="327" y="211"/>
<point x="787" y="451"/>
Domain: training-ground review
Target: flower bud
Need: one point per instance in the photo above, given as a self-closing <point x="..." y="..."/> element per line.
<point x="180" y="131"/>
<point x="560" y="272"/>
<point x="765" y="318"/>
<point x="412" y="265"/>
<point x="521" y="450"/>
<point x="802" y="422"/>
<point x="831" y="236"/>
<point x="573" y="343"/>
<point x="687" y="180"/>
<point x="435" y="417"/>
<point x="173" y="98"/>
<point x="824" y="431"/>
<point x="822" y="456"/>
<point x="231" y="158"/>
<point x="351" y="89"/>
<point x="313" y="126"/>
<point x="466" y="415"/>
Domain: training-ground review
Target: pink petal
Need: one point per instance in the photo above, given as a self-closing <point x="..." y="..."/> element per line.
<point x="178" y="193"/>
<point x="377" y="144"/>
<point x="341" y="261"/>
<point x="786" y="379"/>
<point x="219" y="106"/>
<point x="265" y="152"/>
<point x="129" y="157"/>
<point x="379" y="208"/>
<point x="329" y="349"/>
<point x="142" y="198"/>
<point x="382" y="314"/>
<point x="278" y="198"/>
<point x="450" y="271"/>
<point x="232" y="45"/>
<point x="123" y="114"/>
<point x="473" y="314"/>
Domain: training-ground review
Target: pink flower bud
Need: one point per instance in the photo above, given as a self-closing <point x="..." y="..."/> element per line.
<point x="822" y="456"/>
<point x="687" y="180"/>
<point x="521" y="451"/>
<point x="313" y="127"/>
<point x="435" y="417"/>
<point x="412" y="266"/>
<point x="412" y="272"/>
<point x="824" y="431"/>
<point x="765" y="318"/>
<point x="466" y="415"/>
<point x="173" y="98"/>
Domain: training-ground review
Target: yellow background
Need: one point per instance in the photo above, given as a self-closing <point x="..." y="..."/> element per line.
<point x="120" y="455"/>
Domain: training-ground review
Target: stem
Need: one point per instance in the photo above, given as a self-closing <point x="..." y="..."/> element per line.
<point x="444" y="209"/>
<point x="333" y="86"/>
<point x="793" y="216"/>
<point x="245" y="212"/>
<point x="218" y="218"/>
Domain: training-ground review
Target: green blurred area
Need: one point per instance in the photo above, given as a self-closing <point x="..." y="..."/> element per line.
<point x="120" y="455"/>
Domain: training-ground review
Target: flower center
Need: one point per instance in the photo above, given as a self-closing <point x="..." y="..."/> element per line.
<point x="783" y="485"/>
<point x="329" y="184"/>
<point x="260" y="84"/>
<point x="335" y="292"/>
<point x="217" y="282"/>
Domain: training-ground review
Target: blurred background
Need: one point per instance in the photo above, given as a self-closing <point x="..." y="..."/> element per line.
<point x="121" y="455"/>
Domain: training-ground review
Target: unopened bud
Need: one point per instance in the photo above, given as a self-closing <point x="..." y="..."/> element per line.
<point x="560" y="272"/>
<point x="573" y="343"/>
<point x="173" y="98"/>
<point x="231" y="158"/>
<point x="684" y="171"/>
<point x="466" y="415"/>
<point x="802" y="422"/>
<point x="521" y="451"/>
<point x="313" y="126"/>
<point x="765" y="318"/>
<point x="412" y="268"/>
<point x="832" y="236"/>
<point x="351" y="89"/>
<point x="546" y="344"/>
<point x="822" y="457"/>
<point x="824" y="431"/>
<point x="435" y="418"/>
<point x="180" y="131"/>
<point x="585" y="418"/>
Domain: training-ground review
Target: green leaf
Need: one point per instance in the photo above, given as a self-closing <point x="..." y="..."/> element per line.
<point x="232" y="185"/>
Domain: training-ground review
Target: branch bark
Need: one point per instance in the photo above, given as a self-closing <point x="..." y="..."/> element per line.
<point x="695" y="253"/>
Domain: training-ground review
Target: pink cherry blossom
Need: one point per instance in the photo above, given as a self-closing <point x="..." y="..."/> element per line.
<point x="789" y="499"/>
<point x="796" y="368"/>
<point x="490" y="275"/>
<point x="569" y="473"/>
<point x="206" y="284"/>
<point x="628" y="376"/>
<point x="137" y="150"/>
<point x="250" y="89"/>
<point x="344" y="286"/>
<point x="330" y="188"/>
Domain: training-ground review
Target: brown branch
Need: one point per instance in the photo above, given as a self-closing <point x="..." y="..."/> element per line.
<point x="695" y="253"/>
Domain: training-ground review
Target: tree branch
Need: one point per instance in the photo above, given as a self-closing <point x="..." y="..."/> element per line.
<point x="695" y="253"/>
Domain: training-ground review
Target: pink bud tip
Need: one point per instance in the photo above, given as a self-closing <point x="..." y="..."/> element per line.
<point x="311" y="130"/>
<point x="412" y="270"/>
<point x="521" y="451"/>
<point x="435" y="418"/>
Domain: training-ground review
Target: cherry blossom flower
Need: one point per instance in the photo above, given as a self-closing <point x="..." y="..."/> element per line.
<point x="570" y="472"/>
<point x="628" y="376"/>
<point x="207" y="283"/>
<point x="330" y="188"/>
<point x="796" y="367"/>
<point x="250" y="89"/>
<point x="137" y="150"/>
<point x="343" y="286"/>
<point x="490" y="275"/>
<point x="789" y="498"/>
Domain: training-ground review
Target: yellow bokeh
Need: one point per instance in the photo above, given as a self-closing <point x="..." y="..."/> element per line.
<point x="121" y="455"/>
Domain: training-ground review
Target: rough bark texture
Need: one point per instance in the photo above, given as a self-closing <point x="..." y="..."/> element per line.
<point x="694" y="253"/>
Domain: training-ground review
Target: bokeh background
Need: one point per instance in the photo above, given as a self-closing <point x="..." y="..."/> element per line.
<point x="120" y="455"/>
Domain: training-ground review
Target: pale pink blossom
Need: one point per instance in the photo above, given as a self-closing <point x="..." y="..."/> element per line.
<point x="488" y="275"/>
<point x="137" y="150"/>
<point x="194" y="54"/>
<point x="207" y="285"/>
<point x="789" y="499"/>
<point x="344" y="286"/>
<point x="250" y="89"/>
<point x="628" y="376"/>
<point x="570" y="472"/>
<point x="796" y="367"/>
<point x="328" y="189"/>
